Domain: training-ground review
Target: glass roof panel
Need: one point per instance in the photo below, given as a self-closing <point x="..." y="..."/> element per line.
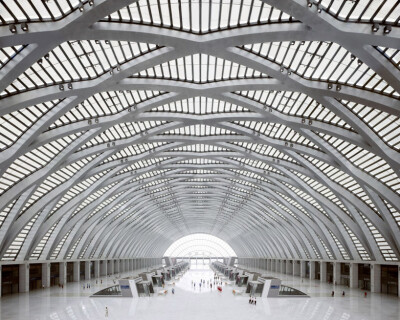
<point x="200" y="245"/>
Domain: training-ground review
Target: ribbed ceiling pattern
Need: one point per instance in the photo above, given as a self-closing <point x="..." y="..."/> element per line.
<point x="271" y="124"/>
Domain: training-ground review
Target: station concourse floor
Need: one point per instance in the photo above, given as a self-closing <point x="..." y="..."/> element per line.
<point x="73" y="302"/>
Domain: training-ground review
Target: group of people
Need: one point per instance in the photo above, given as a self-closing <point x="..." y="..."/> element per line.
<point x="333" y="293"/>
<point x="87" y="285"/>
<point x="253" y="300"/>
<point x="203" y="283"/>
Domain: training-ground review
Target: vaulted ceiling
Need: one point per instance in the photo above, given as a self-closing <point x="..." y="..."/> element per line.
<point x="126" y="125"/>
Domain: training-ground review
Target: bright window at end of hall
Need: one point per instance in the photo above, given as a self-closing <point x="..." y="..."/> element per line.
<point x="200" y="245"/>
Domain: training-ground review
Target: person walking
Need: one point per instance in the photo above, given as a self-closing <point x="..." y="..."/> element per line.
<point x="173" y="291"/>
<point x="343" y="294"/>
<point x="333" y="293"/>
<point x="255" y="300"/>
<point x="106" y="312"/>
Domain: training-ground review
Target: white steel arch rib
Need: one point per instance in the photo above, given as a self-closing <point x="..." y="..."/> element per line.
<point x="125" y="127"/>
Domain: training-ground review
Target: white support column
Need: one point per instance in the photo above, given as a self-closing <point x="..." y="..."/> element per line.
<point x="303" y="266"/>
<point x="336" y="273"/>
<point x="289" y="267"/>
<point x="77" y="271"/>
<point x="283" y="264"/>
<point x="312" y="270"/>
<point x="375" y="278"/>
<point x="117" y="270"/>
<point x="24" y="277"/>
<point x="46" y="275"/>
<point x="110" y="267"/>
<point x="87" y="270"/>
<point x="322" y="271"/>
<point x="296" y="268"/>
<point x="398" y="282"/>
<point x="103" y="268"/>
<point x="97" y="269"/>
<point x="353" y="275"/>
<point x="63" y="273"/>
<point x="277" y="266"/>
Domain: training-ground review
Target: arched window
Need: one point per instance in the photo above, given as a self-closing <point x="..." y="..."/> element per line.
<point x="200" y="245"/>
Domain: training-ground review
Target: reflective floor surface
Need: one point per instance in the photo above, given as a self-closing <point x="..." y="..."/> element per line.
<point x="187" y="303"/>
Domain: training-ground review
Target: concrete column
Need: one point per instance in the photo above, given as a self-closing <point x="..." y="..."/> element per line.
<point x="117" y="264"/>
<point x="289" y="267"/>
<point x="277" y="266"/>
<point x="322" y="271"/>
<point x="336" y="272"/>
<point x="283" y="264"/>
<point x="97" y="269"/>
<point x="398" y="282"/>
<point x="353" y="275"/>
<point x="296" y="268"/>
<point x="63" y="273"/>
<point x="46" y="275"/>
<point x="312" y="270"/>
<point x="24" y="277"/>
<point x="303" y="266"/>
<point x="1" y="271"/>
<point x="87" y="270"/>
<point x="110" y="267"/>
<point x="375" y="278"/>
<point x="77" y="270"/>
<point x="103" y="268"/>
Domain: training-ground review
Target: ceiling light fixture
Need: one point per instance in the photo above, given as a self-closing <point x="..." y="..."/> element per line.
<point x="24" y="27"/>
<point x="387" y="29"/>
<point x="375" y="27"/>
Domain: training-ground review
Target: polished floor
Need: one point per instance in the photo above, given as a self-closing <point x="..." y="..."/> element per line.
<point x="73" y="302"/>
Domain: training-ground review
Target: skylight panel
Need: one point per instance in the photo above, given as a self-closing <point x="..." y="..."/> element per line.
<point x="199" y="17"/>
<point x="200" y="68"/>
<point x="201" y="106"/>
<point x="366" y="161"/>
<point x="360" y="11"/>
<point x="78" y="60"/>
<point x="15" y="124"/>
<point x="200" y="130"/>
<point x="322" y="61"/>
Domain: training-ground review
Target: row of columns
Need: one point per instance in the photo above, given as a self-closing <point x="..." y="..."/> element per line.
<point x="101" y="268"/>
<point x="298" y="268"/>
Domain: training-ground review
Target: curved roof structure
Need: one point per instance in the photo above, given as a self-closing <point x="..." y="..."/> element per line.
<point x="272" y="124"/>
<point x="200" y="245"/>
